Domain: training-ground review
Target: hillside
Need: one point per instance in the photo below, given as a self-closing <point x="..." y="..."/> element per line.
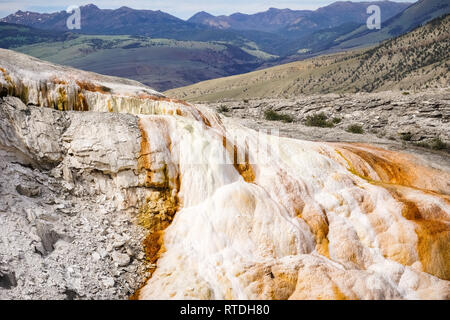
<point x="419" y="59"/>
<point x="353" y="35"/>
<point x="417" y="14"/>
<point x="14" y="35"/>
<point x="159" y="63"/>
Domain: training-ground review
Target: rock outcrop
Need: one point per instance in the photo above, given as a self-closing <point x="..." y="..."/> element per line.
<point x="221" y="211"/>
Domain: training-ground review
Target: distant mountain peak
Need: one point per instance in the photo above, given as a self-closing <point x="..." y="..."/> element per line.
<point x="124" y="8"/>
<point x="201" y="15"/>
<point x="90" y="6"/>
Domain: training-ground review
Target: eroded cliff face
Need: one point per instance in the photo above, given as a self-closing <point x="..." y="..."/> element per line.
<point x="229" y="212"/>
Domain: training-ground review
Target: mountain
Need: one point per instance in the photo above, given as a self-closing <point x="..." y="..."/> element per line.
<point x="419" y="59"/>
<point x="210" y="20"/>
<point x="269" y="30"/>
<point x="417" y="14"/>
<point x="269" y="21"/>
<point x="123" y="20"/>
<point x="298" y="22"/>
<point x="183" y="203"/>
<point x="155" y="24"/>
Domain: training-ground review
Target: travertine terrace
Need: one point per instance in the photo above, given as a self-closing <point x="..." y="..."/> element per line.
<point x="225" y="212"/>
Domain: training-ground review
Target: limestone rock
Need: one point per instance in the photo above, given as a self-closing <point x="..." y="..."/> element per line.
<point x="121" y="259"/>
<point x="29" y="191"/>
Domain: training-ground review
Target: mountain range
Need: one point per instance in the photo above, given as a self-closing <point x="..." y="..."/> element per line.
<point x="272" y="30"/>
<point x="419" y="59"/>
<point x="165" y="52"/>
<point x="405" y="21"/>
<point x="299" y="22"/>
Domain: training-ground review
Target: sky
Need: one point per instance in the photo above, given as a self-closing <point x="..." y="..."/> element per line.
<point x="183" y="9"/>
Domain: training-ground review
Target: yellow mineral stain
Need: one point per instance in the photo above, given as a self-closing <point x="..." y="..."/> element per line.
<point x="399" y="175"/>
<point x="108" y="105"/>
<point x="433" y="234"/>
<point x="338" y="294"/>
<point x="159" y="98"/>
<point x="89" y="86"/>
<point x="160" y="206"/>
<point x="245" y="169"/>
<point x="378" y="165"/>
<point x="318" y="223"/>
<point x="62" y="102"/>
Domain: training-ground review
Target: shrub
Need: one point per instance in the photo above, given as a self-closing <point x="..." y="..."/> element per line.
<point x="318" y="120"/>
<point x="438" y="144"/>
<point x="336" y="120"/>
<point x="406" y="136"/>
<point x="275" y="116"/>
<point x="435" y="144"/>
<point x="223" y="108"/>
<point x="105" y="89"/>
<point x="405" y="93"/>
<point x="355" y="128"/>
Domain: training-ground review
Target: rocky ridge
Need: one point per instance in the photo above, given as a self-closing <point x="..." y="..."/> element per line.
<point x="405" y="121"/>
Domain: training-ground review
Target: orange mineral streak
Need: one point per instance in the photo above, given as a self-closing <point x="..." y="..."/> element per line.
<point x="204" y="119"/>
<point x="380" y="165"/>
<point x="338" y="294"/>
<point x="145" y="159"/>
<point x="161" y="98"/>
<point x="89" y="86"/>
<point x="432" y="227"/>
<point x="81" y="103"/>
<point x="404" y="180"/>
<point x="190" y="109"/>
<point x="270" y="282"/>
<point x="5" y="74"/>
<point x="58" y="81"/>
<point x="318" y="223"/>
<point x="245" y="169"/>
<point x="321" y="283"/>
<point x="161" y="205"/>
<point x="108" y="105"/>
<point x="8" y="80"/>
<point x="154" y="246"/>
<point x="315" y="217"/>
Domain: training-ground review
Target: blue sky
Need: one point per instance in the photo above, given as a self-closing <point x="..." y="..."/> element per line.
<point x="180" y="8"/>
